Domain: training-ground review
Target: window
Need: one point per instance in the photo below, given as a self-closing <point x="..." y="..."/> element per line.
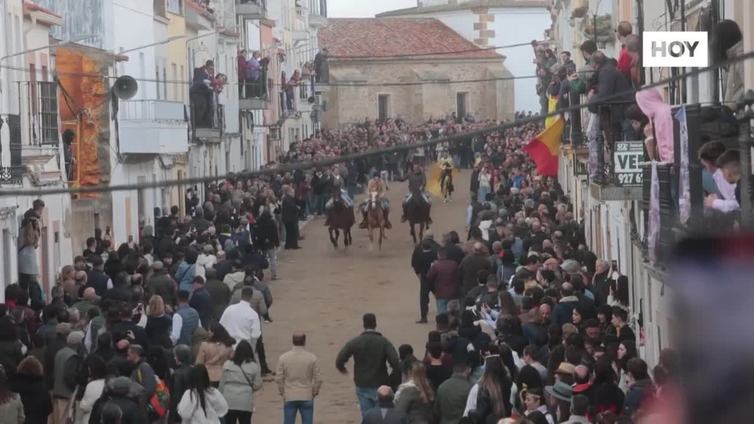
<point x="159" y="8"/>
<point x="461" y="104"/>
<point x="48" y="103"/>
<point x="175" y="6"/>
<point x="383" y="101"/>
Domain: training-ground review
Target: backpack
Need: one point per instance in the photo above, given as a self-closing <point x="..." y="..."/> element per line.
<point x="159" y="403"/>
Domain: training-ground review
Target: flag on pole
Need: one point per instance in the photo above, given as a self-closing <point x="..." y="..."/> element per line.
<point x="684" y="198"/>
<point x="545" y="148"/>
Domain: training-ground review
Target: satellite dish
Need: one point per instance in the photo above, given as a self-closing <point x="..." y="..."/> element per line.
<point x="125" y="87"/>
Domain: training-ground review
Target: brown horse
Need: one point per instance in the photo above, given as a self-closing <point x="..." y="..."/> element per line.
<point x="340" y="217"/>
<point x="417" y="212"/>
<point x="375" y="219"/>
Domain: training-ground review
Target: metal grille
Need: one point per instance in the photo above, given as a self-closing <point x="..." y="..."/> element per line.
<point x="48" y="100"/>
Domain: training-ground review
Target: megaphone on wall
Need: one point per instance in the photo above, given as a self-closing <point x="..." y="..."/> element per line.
<point x="125" y="87"/>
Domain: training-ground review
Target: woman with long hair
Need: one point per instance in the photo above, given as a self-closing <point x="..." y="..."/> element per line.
<point x="29" y="383"/>
<point x="626" y="352"/>
<point x="607" y="395"/>
<point x="11" y="407"/>
<point x="201" y="403"/>
<point x="493" y="396"/>
<point x="415" y="396"/>
<point x="94" y="388"/>
<point x="214" y="352"/>
<point x="241" y="378"/>
<point x="159" y="324"/>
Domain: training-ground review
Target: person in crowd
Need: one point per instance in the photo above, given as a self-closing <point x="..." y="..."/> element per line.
<point x="201" y="302"/>
<point x="494" y="392"/>
<point x="159" y="324"/>
<point x="214" y="352"/>
<point x="299" y="381"/>
<point x="470" y="266"/>
<point x="201" y="403"/>
<point x="450" y="401"/>
<point x="97" y="370"/>
<point x="289" y="215"/>
<point x="624" y="59"/>
<point x="443" y="275"/>
<point x="421" y="261"/>
<point x="240" y="319"/>
<point x="641" y="387"/>
<point x="385" y="411"/>
<point x="241" y="377"/>
<point x="65" y="359"/>
<point x="179" y="381"/>
<point x="372" y="353"/>
<point x="415" y="396"/>
<point x="185" y="320"/>
<point x="30" y="386"/>
<point x="11" y="406"/>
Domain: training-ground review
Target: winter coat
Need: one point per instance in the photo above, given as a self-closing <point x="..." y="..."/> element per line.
<point x="238" y="384"/>
<point x="191" y="411"/>
<point x="34" y="396"/>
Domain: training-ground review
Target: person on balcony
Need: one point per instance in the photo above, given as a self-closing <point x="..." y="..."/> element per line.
<point x="290" y="88"/>
<point x="727" y="45"/>
<point x="612" y="89"/>
<point x="321" y="67"/>
<point x="726" y="178"/>
<point x="242" y="67"/>
<point x="201" y="95"/>
<point x="254" y="76"/>
<point x="68" y="137"/>
<point x="624" y="59"/>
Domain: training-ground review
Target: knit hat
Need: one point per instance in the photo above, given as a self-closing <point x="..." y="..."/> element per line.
<point x="157" y="265"/>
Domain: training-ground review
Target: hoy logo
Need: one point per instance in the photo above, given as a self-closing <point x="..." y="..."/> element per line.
<point x="687" y="49"/>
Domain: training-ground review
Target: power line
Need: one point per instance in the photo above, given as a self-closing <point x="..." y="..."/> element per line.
<point x="335" y="84"/>
<point x="332" y="161"/>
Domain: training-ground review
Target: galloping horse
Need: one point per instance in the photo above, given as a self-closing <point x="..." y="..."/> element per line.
<point x="340" y="217"/>
<point x="375" y="218"/>
<point x="446" y="184"/>
<point x="417" y="212"/>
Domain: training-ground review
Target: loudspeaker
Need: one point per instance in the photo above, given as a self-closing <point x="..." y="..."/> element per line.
<point x="125" y="87"/>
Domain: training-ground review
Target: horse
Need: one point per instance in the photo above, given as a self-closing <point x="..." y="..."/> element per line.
<point x="417" y="212"/>
<point x="340" y="217"/>
<point x="375" y="219"/>
<point x="446" y="185"/>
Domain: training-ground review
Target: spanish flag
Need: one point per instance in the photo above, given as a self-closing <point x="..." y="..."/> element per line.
<point x="544" y="148"/>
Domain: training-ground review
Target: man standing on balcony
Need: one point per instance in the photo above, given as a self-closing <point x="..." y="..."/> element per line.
<point x="254" y="75"/>
<point x="68" y="137"/>
<point x="242" y="72"/>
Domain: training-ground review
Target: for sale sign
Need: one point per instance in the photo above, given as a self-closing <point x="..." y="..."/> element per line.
<point x="628" y="155"/>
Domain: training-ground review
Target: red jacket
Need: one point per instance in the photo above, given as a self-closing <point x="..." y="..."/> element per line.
<point x="443" y="276"/>
<point x="624" y="62"/>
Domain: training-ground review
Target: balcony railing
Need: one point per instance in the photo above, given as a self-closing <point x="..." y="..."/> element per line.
<point x="253" y="93"/>
<point x="153" y="127"/>
<point x="11" y="169"/>
<point x="614" y="154"/>
<point x="704" y="124"/>
<point x="251" y="9"/>
<point x="207" y="115"/>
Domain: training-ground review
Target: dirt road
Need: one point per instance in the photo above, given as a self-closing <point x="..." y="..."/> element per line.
<point x="324" y="293"/>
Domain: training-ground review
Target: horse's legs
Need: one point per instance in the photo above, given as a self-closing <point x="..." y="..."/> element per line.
<point x="413" y="233"/>
<point x="421" y="232"/>
<point x="333" y="240"/>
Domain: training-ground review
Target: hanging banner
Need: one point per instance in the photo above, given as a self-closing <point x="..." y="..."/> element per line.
<point x="684" y="195"/>
<point x="654" y="214"/>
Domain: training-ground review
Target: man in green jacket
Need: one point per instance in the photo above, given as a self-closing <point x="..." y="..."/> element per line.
<point x="450" y="401"/>
<point x="371" y="353"/>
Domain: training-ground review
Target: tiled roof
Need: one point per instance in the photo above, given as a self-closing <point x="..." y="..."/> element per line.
<point x="351" y="38"/>
<point x="466" y="5"/>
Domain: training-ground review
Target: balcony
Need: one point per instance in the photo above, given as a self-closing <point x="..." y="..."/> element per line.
<point x="207" y="116"/>
<point x="618" y="174"/>
<point x="153" y="127"/>
<point x="11" y="170"/>
<point x="251" y="9"/>
<point x="198" y="17"/>
<point x="253" y="94"/>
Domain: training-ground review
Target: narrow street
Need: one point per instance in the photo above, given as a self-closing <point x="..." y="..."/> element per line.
<point x="324" y="293"/>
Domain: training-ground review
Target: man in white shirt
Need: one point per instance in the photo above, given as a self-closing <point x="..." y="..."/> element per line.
<point x="241" y="321"/>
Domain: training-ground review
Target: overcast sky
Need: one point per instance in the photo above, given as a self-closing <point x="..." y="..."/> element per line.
<point x="364" y="8"/>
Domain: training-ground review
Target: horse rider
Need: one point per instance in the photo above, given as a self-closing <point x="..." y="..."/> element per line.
<point x="446" y="167"/>
<point x="417" y="182"/>
<point x="337" y="189"/>
<point x="376" y="185"/>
